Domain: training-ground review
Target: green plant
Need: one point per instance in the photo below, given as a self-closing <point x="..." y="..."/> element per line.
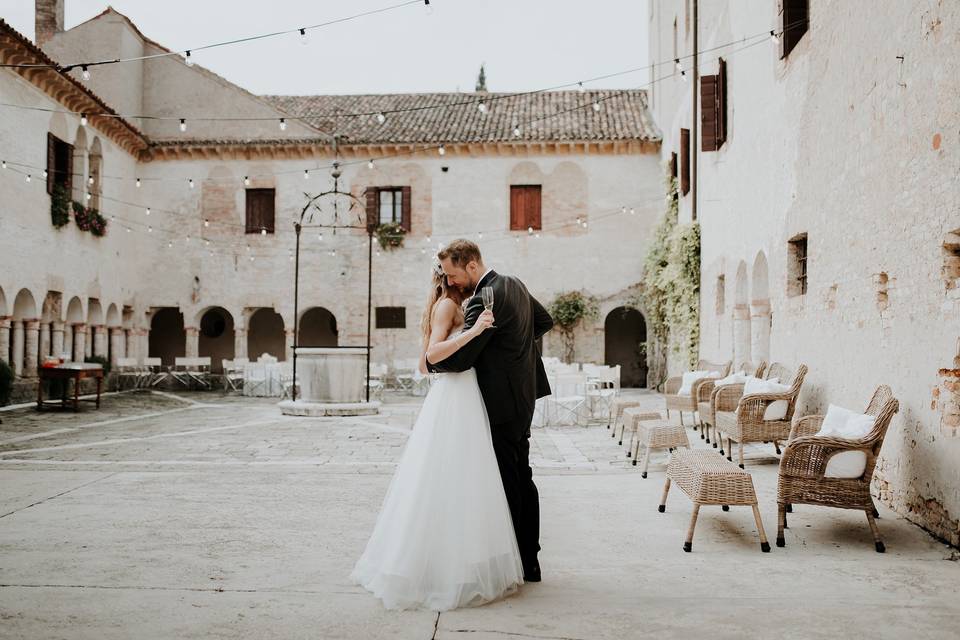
<point x="671" y="283"/>
<point x="103" y="362"/>
<point x="390" y="235"/>
<point x="81" y="217"/>
<point x="89" y="220"/>
<point x="568" y="311"/>
<point x="59" y="206"/>
<point x="6" y="382"/>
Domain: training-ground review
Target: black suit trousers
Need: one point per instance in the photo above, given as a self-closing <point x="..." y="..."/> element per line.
<point x="511" y="443"/>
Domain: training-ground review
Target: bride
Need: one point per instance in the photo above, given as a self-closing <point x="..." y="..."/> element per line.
<point x="444" y="538"/>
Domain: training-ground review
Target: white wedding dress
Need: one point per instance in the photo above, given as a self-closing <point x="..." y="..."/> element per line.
<point x="444" y="538"/>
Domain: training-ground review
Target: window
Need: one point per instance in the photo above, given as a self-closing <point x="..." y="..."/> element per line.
<point x="673" y="165"/>
<point x="794" y="22"/>
<point x="391" y="318"/>
<point x="797" y="269"/>
<point x="260" y="210"/>
<point x="721" y="294"/>
<point x="386" y="205"/>
<point x="713" y="109"/>
<point x="684" y="161"/>
<point x="59" y="164"/>
<point x="524" y="207"/>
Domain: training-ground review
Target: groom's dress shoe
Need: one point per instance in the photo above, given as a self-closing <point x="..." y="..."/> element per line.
<point x="532" y="574"/>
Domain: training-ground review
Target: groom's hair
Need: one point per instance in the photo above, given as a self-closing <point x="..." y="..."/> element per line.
<point x="461" y="252"/>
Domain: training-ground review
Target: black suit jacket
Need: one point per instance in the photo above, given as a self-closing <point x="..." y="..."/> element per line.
<point x="509" y="369"/>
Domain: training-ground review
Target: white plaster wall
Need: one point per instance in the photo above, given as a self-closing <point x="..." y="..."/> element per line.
<point x="841" y="142"/>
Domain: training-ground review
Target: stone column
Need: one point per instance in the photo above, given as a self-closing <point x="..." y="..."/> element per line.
<point x="130" y="344"/>
<point x="5" y="338"/>
<point x="117" y="344"/>
<point x="741" y="334"/>
<point x="56" y="339"/>
<point x="240" y="343"/>
<point x="100" y="337"/>
<point x="143" y="343"/>
<point x="68" y="341"/>
<point x="17" y="362"/>
<point x="31" y="342"/>
<point x="87" y="342"/>
<point x="44" y="341"/>
<point x="760" y="330"/>
<point x="193" y="342"/>
<point x="79" y="341"/>
<point x="289" y="350"/>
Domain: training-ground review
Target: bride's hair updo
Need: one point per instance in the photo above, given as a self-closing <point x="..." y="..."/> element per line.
<point x="439" y="289"/>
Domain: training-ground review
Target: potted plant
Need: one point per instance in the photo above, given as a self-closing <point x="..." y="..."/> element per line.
<point x="390" y="235"/>
<point x="59" y="206"/>
<point x="569" y="310"/>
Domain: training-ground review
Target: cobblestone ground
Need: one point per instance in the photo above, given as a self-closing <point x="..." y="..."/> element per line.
<point x="203" y="515"/>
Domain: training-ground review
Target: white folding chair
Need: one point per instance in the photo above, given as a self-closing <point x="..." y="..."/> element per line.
<point x="128" y="371"/>
<point x="198" y="369"/>
<point x="233" y="374"/>
<point x="569" y="404"/>
<point x="377" y="380"/>
<point x="155" y="372"/>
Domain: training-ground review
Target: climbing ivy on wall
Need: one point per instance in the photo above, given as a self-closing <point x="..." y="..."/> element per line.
<point x="671" y="283"/>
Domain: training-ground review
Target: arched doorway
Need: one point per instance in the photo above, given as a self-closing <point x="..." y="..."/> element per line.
<point x="741" y="318"/>
<point x="168" y="340"/>
<point x="760" y="310"/>
<point x="318" y="328"/>
<point x="216" y="337"/>
<point x="625" y="342"/>
<point x="265" y="334"/>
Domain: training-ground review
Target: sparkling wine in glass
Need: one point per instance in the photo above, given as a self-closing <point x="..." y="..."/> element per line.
<point x="486" y="293"/>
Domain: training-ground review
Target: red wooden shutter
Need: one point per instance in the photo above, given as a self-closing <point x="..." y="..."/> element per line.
<point x="533" y="206"/>
<point x="254" y="219"/>
<point x="708" y="113"/>
<point x="405" y="220"/>
<point x="525" y="207"/>
<point x="373" y="212"/>
<point x="51" y="162"/>
<point x="516" y="209"/>
<point x="684" y="161"/>
<point x="721" y="103"/>
<point x="268" y="209"/>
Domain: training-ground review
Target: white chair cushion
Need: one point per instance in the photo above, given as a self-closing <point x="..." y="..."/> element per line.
<point x="686" y="385"/>
<point x="734" y="378"/>
<point x="843" y="423"/>
<point x="776" y="410"/>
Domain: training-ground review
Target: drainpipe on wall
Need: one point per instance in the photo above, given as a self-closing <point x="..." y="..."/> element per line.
<point x="694" y="125"/>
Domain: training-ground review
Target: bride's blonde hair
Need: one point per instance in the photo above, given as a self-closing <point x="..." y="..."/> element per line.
<point x="439" y="289"/>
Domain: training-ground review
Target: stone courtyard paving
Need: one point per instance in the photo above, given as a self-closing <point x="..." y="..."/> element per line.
<point x="208" y="516"/>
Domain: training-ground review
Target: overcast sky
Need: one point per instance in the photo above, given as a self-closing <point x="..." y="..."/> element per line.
<point x="525" y="44"/>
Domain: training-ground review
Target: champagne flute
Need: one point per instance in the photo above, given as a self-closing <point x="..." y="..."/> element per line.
<point x="486" y="293"/>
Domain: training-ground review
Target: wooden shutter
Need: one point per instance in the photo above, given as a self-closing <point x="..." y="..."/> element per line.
<point x="721" y="102"/>
<point x="525" y="207"/>
<point x="51" y="161"/>
<point x="708" y="113"/>
<point x="794" y="21"/>
<point x="405" y="219"/>
<point x="533" y="206"/>
<point x="673" y="165"/>
<point x="684" y="161"/>
<point x="68" y="181"/>
<point x="373" y="212"/>
<point x="260" y="210"/>
<point x="516" y="209"/>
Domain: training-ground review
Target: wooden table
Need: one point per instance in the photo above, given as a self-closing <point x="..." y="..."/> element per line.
<point x="75" y="371"/>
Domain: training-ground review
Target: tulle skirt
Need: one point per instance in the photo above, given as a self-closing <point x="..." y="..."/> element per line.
<point x="444" y="538"/>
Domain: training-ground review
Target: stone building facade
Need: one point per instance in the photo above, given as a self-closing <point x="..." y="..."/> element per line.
<point x="180" y="271"/>
<point x="830" y="212"/>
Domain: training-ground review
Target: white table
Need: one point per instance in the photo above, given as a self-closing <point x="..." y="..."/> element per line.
<point x="262" y="379"/>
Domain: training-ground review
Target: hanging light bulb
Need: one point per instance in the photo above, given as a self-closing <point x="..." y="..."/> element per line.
<point x="83" y="119"/>
<point x="170" y="244"/>
<point x="370" y="164"/>
<point x="129" y="229"/>
<point x="378" y="253"/>
<point x="183" y="124"/>
<point x="442" y="150"/>
<point x="87" y="196"/>
<point x="333" y="252"/>
<point x="190" y="182"/>
<point x="584" y="224"/>
<point x="113" y="218"/>
<point x="252" y="258"/>
<point x="529" y="231"/>
<point x="4" y="164"/>
<point x="248" y="248"/>
<point x="774" y="38"/>
<point x="381" y="118"/>
<point x="283" y="124"/>
<point x="90" y="181"/>
<point x="632" y="211"/>
<point x="207" y="243"/>
<point x="537" y="236"/>
<point x="428" y="8"/>
<point x="246" y="181"/>
<point x="188" y="59"/>
<point x="579" y="219"/>
<point x="482" y="107"/>
<point x="303" y="37"/>
<point x="480" y="235"/>
<point x="148" y="210"/>
<point x="86" y="72"/>
<point x="28" y="177"/>
<point x="623" y="209"/>
<point x="517" y="238"/>
<point x="427" y="239"/>
<point x="263" y="231"/>
<point x="676" y="63"/>
<point x="596" y="105"/>
<point x="516" y="131"/>
<point x="306" y="174"/>
<point x="320" y="237"/>
<point x="422" y="251"/>
<point x="188" y="238"/>
<point x="581" y="88"/>
<point x="138" y="183"/>
<point x="44" y="171"/>
<point x="150" y="229"/>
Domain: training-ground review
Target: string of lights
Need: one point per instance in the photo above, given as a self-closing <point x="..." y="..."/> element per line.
<point x="191" y="217"/>
<point x="483" y="104"/>
<point x="440" y="148"/>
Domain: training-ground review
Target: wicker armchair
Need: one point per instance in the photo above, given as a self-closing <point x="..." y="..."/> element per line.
<point x="705" y="393"/>
<point x="741" y="419"/>
<point x="689" y="403"/>
<point x="805" y="460"/>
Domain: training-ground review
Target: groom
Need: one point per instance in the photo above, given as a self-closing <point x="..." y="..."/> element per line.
<point x="511" y="378"/>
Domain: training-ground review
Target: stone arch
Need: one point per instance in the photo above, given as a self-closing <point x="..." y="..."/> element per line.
<point x="75" y="313"/>
<point x="265" y="334"/>
<point x="216" y="336"/>
<point x="96" y="173"/>
<point x="625" y="344"/>
<point x="59" y="127"/>
<point x="741" y="316"/>
<point x="79" y="180"/>
<point x="94" y="312"/>
<point x="565" y="198"/>
<point x="168" y="338"/>
<point x="24" y="306"/>
<point x="317" y="328"/>
<point x="24" y="348"/>
<point x="760" y="309"/>
<point x="96" y="344"/>
<point x="113" y="315"/>
<point x="3" y="305"/>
